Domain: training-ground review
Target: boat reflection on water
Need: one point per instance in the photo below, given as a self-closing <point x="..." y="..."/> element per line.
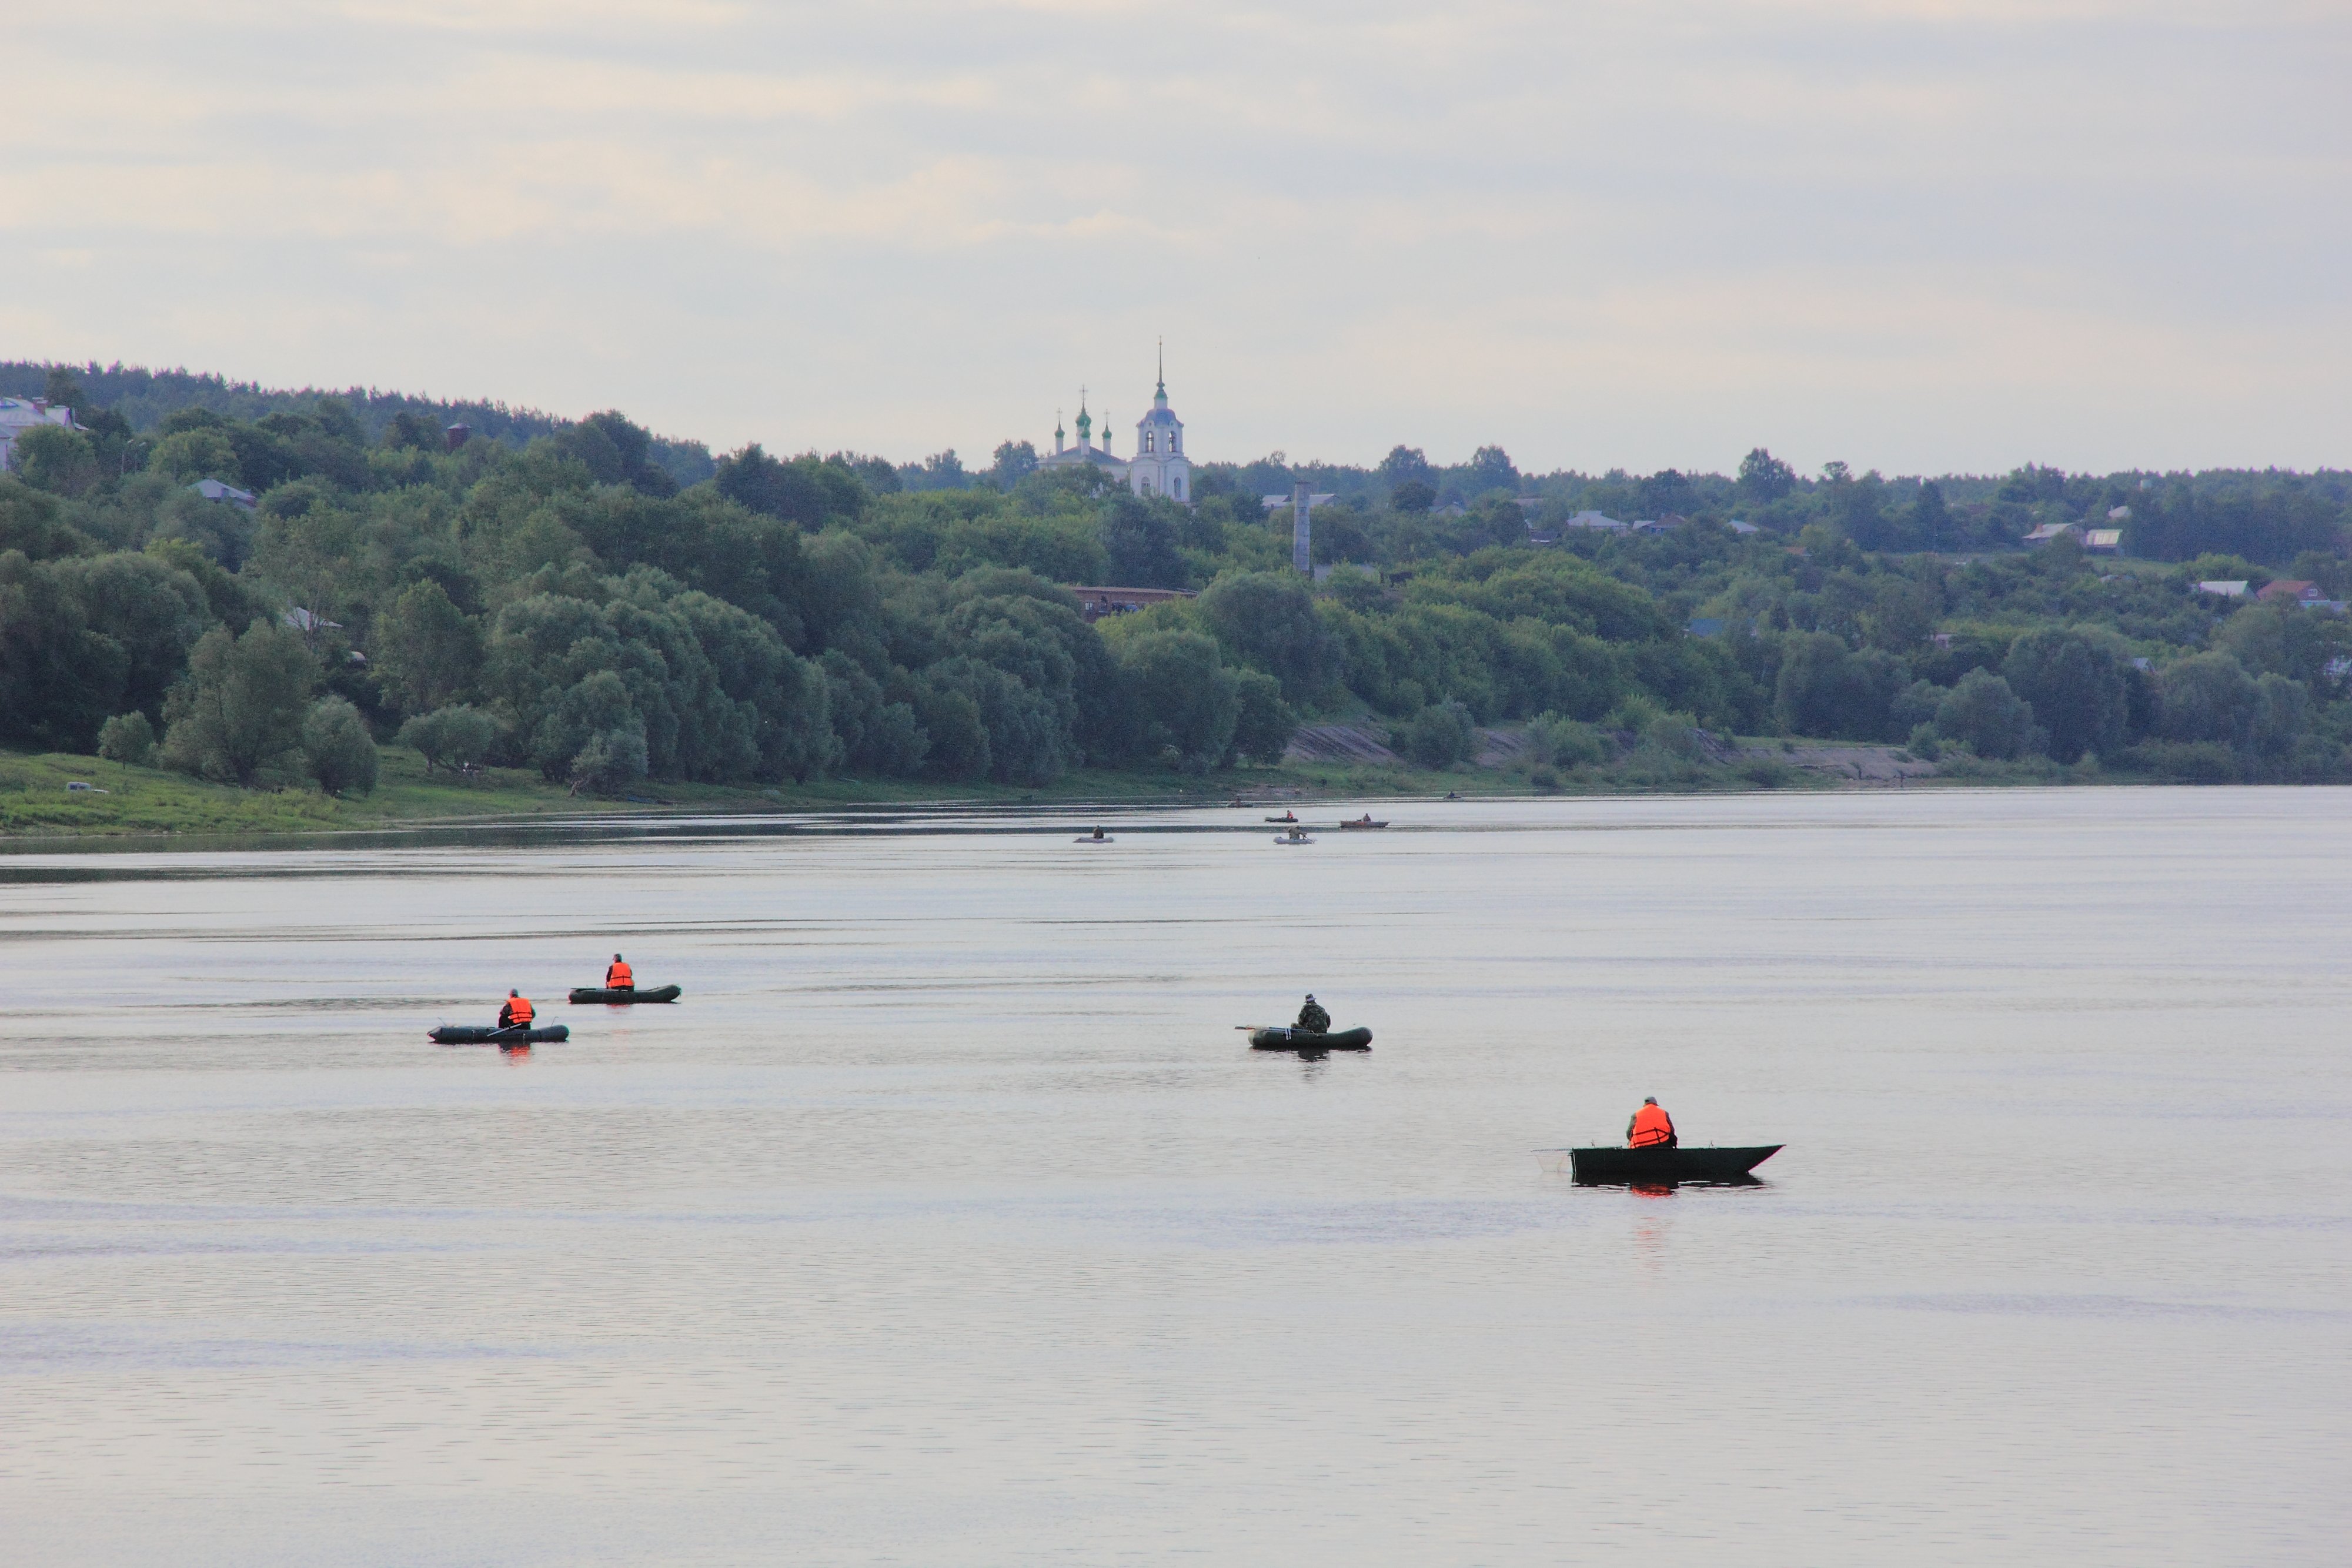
<point x="1668" y="1189"/>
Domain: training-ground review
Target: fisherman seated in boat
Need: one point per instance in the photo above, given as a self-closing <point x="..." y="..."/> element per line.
<point x="1313" y="1018"/>
<point x="517" y="1012"/>
<point x="619" y="976"/>
<point x="1098" y="832"/>
<point x="1650" y="1127"/>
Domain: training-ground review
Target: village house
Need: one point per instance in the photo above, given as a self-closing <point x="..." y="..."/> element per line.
<point x="19" y="415"/>
<point x="2298" y="590"/>
<point x="213" y="490"/>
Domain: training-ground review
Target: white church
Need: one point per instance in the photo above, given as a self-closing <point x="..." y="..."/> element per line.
<point x="1159" y="466"/>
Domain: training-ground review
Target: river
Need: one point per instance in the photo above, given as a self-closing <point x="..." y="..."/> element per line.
<point x="947" y="1220"/>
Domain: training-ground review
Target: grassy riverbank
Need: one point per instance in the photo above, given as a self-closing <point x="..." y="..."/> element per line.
<point x="34" y="799"/>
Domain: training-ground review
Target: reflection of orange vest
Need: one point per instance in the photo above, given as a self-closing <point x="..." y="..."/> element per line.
<point x="618" y="976"/>
<point x="1651" y="1125"/>
<point x="518" y="1009"/>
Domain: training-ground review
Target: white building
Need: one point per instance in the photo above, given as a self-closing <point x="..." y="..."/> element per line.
<point x="1158" y="468"/>
<point x="19" y="415"/>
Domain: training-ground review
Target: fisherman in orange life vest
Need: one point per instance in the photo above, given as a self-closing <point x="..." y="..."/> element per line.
<point x="1650" y="1127"/>
<point x="619" y="976"/>
<point x="516" y="1013"/>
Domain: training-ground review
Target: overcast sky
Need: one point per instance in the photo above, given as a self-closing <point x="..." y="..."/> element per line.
<point x="1921" y="235"/>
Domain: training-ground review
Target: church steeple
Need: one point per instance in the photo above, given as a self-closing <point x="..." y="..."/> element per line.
<point x="1057" y="430"/>
<point x="1086" y="423"/>
<point x="1160" y="393"/>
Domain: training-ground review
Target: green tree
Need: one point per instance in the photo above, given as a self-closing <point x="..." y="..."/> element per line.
<point x="337" y="746"/>
<point x="1490" y="468"/>
<point x="806" y="490"/>
<point x="1267" y="620"/>
<point x="1825" y="689"/>
<point x="61" y="460"/>
<point x="1764" y="478"/>
<point x="239" y="711"/>
<point x="2284" y="640"/>
<point x="878" y="738"/>
<point x="34" y="522"/>
<point x="2209" y="697"/>
<point x="1931" y="520"/>
<point x="1263" y="722"/>
<point x="127" y="739"/>
<point x="612" y="761"/>
<point x="153" y="611"/>
<point x="1189" y="701"/>
<point x="2076" y="687"/>
<point x="1405" y="466"/>
<point x="1555" y="741"/>
<point x="1982" y="713"/>
<point x="191" y="455"/>
<point x="1140" y="543"/>
<point x="59" y="676"/>
<point x="1903" y="611"/>
<point x="452" y="737"/>
<point x="1015" y="461"/>
<point x="428" y="650"/>
<point x="1439" y="736"/>
<point x="957" y="739"/>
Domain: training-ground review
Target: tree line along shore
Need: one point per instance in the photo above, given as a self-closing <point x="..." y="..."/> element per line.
<point x="311" y="594"/>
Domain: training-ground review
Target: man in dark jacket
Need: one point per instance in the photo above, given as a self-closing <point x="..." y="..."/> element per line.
<point x="1313" y="1018"/>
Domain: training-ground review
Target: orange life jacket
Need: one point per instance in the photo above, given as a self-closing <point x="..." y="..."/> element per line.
<point x="1651" y="1125"/>
<point x="518" y="1010"/>
<point x="618" y="976"/>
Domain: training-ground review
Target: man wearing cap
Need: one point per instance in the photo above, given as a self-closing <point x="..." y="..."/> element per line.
<point x="1313" y="1018"/>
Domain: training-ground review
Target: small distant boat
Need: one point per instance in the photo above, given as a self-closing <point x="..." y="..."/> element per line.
<point x="1295" y="836"/>
<point x="487" y="1034"/>
<point x="1307" y="1040"/>
<point x="1094" y="839"/>
<point x="1616" y="1165"/>
<point x="624" y="999"/>
<point x="1286" y="816"/>
<point x="1361" y="823"/>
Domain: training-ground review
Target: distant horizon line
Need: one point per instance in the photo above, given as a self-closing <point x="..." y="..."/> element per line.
<point x="1278" y="457"/>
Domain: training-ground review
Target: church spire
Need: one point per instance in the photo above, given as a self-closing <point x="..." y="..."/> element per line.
<point x="1160" y="397"/>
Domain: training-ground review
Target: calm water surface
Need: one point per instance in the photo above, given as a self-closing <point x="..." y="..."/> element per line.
<point x="947" y="1221"/>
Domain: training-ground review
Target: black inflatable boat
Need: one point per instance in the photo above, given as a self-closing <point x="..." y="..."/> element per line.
<point x="599" y="994"/>
<point x="1307" y="1040"/>
<point x="484" y="1034"/>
